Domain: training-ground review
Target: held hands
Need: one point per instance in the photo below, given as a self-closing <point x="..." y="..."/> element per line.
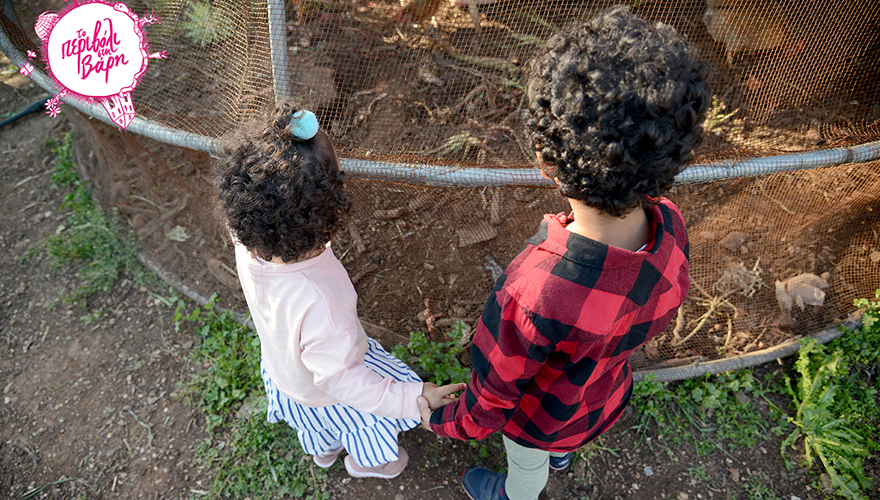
<point x="438" y="397"/>
<point x="434" y="397"/>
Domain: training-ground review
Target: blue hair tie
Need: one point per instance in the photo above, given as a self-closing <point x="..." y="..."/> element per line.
<point x="304" y="125"/>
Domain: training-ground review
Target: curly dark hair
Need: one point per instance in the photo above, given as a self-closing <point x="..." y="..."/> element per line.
<point x="279" y="195"/>
<point x="616" y="109"/>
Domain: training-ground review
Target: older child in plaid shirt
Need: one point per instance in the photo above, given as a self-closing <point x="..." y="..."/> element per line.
<point x="616" y="107"/>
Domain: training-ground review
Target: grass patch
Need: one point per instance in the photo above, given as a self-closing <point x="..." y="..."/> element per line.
<point x="249" y="457"/>
<point x="833" y="398"/>
<point x="710" y="412"/>
<point x="229" y="352"/>
<point x="261" y="461"/>
<point x="90" y="240"/>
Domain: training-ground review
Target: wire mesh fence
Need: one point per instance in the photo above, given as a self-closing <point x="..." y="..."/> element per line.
<point x="424" y="101"/>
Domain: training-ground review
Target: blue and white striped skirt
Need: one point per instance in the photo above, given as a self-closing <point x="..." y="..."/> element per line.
<point x="369" y="439"/>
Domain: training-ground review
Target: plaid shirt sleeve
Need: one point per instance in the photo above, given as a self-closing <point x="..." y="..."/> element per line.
<point x="506" y="355"/>
<point x="550" y="351"/>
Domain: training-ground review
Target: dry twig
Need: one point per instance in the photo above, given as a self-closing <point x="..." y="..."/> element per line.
<point x="712" y="304"/>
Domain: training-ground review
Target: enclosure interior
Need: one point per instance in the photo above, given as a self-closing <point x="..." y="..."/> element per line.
<point x="440" y="83"/>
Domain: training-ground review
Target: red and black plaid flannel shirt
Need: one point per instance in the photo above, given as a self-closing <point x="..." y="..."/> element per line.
<point x="550" y="351"/>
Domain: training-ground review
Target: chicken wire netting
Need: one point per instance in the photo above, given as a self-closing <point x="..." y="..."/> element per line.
<point x="424" y="102"/>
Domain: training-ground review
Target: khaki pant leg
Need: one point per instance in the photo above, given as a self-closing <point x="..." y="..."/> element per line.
<point x="527" y="471"/>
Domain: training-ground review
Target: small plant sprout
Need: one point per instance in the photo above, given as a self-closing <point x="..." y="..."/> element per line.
<point x="717" y="116"/>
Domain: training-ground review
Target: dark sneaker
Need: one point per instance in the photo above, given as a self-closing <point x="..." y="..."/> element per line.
<point x="560" y="463"/>
<point x="483" y="484"/>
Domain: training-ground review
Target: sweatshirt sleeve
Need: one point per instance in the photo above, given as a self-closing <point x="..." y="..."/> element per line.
<point x="506" y="354"/>
<point x="337" y="370"/>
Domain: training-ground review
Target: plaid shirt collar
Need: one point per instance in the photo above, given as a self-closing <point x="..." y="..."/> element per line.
<point x="553" y="237"/>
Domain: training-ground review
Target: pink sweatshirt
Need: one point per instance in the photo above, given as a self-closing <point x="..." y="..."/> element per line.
<point x="312" y="341"/>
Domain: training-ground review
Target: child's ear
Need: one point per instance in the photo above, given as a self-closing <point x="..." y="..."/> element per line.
<point x="543" y="166"/>
<point x="547" y="173"/>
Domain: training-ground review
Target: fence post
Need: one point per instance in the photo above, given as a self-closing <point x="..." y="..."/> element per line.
<point x="278" y="46"/>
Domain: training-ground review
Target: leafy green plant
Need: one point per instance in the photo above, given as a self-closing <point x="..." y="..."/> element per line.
<point x="491" y="446"/>
<point x="586" y="452"/>
<point x="862" y="345"/>
<point x="653" y="402"/>
<point x="439" y="359"/>
<point x="836" y="415"/>
<point x="206" y="24"/>
<point x="90" y="238"/>
<point x="230" y="353"/>
<point x="725" y="405"/>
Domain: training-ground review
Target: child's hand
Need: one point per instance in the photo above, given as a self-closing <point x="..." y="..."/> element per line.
<point x="438" y="397"/>
<point x="424" y="413"/>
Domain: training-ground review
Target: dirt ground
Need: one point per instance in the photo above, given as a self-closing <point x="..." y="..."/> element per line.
<point x="93" y="409"/>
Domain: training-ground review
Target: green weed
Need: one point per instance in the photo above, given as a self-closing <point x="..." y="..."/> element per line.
<point x="230" y="353"/>
<point x="439" y="359"/>
<point x="9" y="71"/>
<point x="250" y="457"/>
<point x="651" y="399"/>
<point x="717" y="116"/>
<point x="261" y="461"/>
<point x="491" y="446"/>
<point x="712" y="412"/>
<point x="32" y="254"/>
<point x="90" y="239"/>
<point x="755" y="489"/>
<point x="862" y="345"/>
<point x="586" y="453"/>
<point x="698" y="474"/>
<point x="65" y="174"/>
<point x="725" y="406"/>
<point x="836" y="414"/>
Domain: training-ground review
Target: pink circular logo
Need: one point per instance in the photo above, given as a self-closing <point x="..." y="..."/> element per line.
<point x="96" y="51"/>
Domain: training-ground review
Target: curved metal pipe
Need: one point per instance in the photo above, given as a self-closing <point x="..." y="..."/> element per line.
<point x="434" y="175"/>
<point x="744" y="360"/>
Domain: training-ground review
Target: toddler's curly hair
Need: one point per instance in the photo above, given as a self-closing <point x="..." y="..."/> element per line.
<point x="616" y="109"/>
<point x="279" y="195"/>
